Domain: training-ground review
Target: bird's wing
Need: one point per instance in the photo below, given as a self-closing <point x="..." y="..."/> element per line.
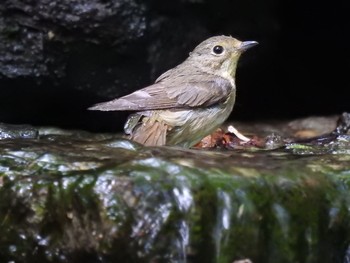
<point x="205" y="92"/>
<point x="165" y="95"/>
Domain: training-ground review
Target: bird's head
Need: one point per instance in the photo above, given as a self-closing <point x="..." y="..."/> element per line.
<point x="219" y="55"/>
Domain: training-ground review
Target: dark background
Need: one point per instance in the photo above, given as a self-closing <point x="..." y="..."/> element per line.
<point x="57" y="59"/>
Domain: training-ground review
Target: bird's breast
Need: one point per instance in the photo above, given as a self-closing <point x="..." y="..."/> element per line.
<point x="191" y="125"/>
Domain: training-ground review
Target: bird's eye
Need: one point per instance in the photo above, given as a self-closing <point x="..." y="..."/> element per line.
<point x="218" y="49"/>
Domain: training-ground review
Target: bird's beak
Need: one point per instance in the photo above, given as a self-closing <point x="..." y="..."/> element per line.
<point x="247" y="44"/>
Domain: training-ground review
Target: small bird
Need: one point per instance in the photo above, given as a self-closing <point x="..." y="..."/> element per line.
<point x="187" y="102"/>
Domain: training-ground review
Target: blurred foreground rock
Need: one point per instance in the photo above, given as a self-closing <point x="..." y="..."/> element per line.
<point x="72" y="196"/>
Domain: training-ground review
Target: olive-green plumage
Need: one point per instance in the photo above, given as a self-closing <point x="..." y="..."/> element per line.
<point x="187" y="102"/>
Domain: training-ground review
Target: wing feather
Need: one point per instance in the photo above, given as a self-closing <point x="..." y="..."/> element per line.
<point x="179" y="92"/>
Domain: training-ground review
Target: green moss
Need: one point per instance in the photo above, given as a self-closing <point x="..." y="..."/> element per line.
<point x="114" y="201"/>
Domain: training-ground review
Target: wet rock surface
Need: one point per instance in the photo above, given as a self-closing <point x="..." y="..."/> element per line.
<point x="55" y="56"/>
<point x="31" y="32"/>
<point x="17" y="132"/>
<point x="72" y="196"/>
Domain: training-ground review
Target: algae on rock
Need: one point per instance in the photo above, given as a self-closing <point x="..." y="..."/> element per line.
<point x="75" y="197"/>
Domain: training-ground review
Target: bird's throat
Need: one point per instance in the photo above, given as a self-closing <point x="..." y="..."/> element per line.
<point x="228" y="68"/>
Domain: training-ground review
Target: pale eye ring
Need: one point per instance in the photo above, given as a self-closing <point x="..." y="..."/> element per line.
<point x="218" y="50"/>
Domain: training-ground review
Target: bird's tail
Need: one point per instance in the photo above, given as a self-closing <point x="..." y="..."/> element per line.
<point x="150" y="132"/>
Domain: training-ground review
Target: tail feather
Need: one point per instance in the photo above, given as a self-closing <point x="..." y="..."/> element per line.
<point x="115" y="105"/>
<point x="150" y="133"/>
